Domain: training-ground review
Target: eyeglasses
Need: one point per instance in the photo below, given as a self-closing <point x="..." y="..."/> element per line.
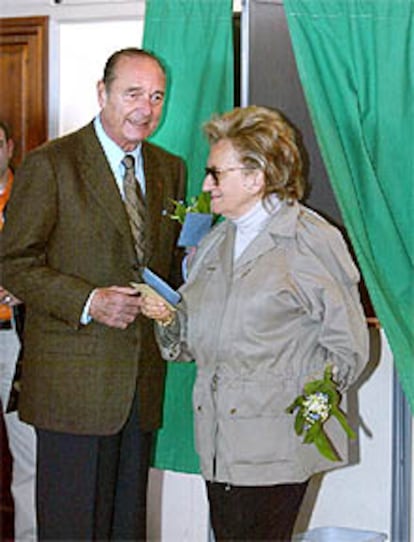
<point x="214" y="172"/>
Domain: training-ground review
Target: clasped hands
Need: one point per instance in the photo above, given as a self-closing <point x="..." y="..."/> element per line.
<point x="118" y="306"/>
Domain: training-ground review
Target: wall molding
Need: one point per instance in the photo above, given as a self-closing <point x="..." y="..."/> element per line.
<point x="74" y="10"/>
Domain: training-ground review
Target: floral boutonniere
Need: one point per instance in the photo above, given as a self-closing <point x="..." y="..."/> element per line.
<point x="197" y="204"/>
<point x="196" y="219"/>
<point x="319" y="401"/>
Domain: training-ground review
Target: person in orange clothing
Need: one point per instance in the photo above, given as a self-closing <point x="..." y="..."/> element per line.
<point x="21" y="437"/>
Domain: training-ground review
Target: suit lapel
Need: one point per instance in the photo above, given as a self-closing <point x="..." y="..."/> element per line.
<point x="226" y="252"/>
<point x="154" y="197"/>
<point x="97" y="175"/>
<point x="260" y="245"/>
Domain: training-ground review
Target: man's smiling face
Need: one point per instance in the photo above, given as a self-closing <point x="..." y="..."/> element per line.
<point x="131" y="105"/>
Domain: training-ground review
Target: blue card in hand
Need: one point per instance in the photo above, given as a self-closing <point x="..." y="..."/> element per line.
<point x="160" y="286"/>
<point x="195" y="227"/>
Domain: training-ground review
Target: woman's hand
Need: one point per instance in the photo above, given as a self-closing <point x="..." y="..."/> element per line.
<point x="156" y="310"/>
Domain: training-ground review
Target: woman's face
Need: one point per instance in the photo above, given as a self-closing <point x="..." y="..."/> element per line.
<point x="233" y="188"/>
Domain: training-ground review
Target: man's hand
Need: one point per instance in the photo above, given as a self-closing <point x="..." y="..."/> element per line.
<point x="116" y="306"/>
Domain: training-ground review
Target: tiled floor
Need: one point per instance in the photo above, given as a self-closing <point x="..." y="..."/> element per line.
<point x="6" y="503"/>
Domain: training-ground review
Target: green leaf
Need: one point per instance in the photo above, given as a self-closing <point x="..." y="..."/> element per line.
<point x="333" y="396"/>
<point x="327" y="374"/>
<point x="196" y="204"/>
<point x="296" y="403"/>
<point x="325" y="447"/>
<point x="315" y="433"/>
<point x="203" y="203"/>
<point x="313" y="387"/>
<point x="299" y="423"/>
<point x="312" y="433"/>
<point x="179" y="211"/>
<point x="340" y="416"/>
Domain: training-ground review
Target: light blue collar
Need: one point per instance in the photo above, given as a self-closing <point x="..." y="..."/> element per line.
<point x="114" y="154"/>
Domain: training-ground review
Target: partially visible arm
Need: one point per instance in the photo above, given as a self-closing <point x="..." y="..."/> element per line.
<point x="330" y="283"/>
<point x="344" y="333"/>
<point x="32" y="215"/>
<point x="115" y="306"/>
<point x="8" y="298"/>
<point x="170" y="328"/>
<point x="33" y="251"/>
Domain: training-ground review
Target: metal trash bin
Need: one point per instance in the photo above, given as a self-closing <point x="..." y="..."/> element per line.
<point x="339" y="534"/>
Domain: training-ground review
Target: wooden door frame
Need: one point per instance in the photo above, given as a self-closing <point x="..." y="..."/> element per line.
<point x="24" y="42"/>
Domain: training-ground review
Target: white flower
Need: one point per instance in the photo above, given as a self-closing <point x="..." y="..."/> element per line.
<point x="316" y="408"/>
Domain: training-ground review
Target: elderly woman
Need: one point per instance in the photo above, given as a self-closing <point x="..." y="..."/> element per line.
<point x="271" y="300"/>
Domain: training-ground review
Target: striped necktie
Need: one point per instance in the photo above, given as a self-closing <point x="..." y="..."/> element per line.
<point x="135" y="206"/>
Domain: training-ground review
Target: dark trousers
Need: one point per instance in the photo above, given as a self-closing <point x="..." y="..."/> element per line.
<point x="93" y="487"/>
<point x="254" y="513"/>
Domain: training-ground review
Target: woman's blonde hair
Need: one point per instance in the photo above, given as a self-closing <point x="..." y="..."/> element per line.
<point x="265" y="140"/>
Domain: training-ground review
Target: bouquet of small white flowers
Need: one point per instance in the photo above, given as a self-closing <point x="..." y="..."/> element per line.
<point x="319" y="401"/>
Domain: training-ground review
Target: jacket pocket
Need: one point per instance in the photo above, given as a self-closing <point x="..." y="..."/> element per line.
<point x="253" y="424"/>
<point x="60" y="338"/>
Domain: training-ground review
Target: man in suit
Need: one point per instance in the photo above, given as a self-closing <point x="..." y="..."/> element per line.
<point x="21" y="437"/>
<point x="92" y="381"/>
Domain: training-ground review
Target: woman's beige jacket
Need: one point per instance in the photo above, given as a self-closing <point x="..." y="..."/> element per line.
<point x="258" y="330"/>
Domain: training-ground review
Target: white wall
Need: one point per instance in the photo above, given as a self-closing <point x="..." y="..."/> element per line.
<point x="82" y="66"/>
<point x="82" y="34"/>
<point x="359" y="496"/>
<point x="73" y="10"/>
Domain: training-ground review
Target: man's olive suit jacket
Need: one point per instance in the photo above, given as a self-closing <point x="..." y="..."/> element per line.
<point x="67" y="233"/>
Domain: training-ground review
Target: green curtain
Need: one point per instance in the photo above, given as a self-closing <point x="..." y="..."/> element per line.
<point x="194" y="39"/>
<point x="356" y="63"/>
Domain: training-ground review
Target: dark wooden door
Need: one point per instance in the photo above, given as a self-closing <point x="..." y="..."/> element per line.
<point x="24" y="80"/>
